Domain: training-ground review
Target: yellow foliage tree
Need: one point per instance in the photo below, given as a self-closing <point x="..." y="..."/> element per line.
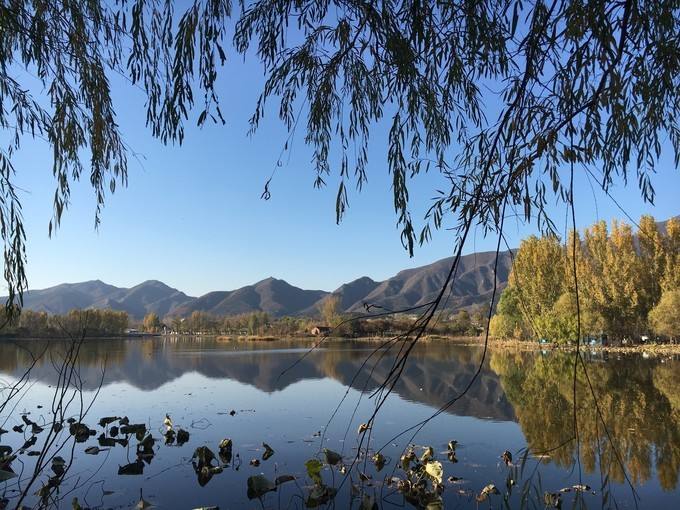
<point x="151" y="323"/>
<point x="664" y="318"/>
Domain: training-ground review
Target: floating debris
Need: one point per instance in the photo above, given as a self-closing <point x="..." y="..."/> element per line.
<point x="134" y="468"/>
<point x="379" y="461"/>
<point x="169" y="436"/>
<point x="202" y="460"/>
<point x="552" y="499"/>
<point x="142" y="504"/>
<point x="268" y="451"/>
<point x="487" y="491"/>
<point x="106" y="442"/>
<point x="182" y="437"/>
<point x="283" y="479"/>
<point x="93" y="450"/>
<point x="332" y="458"/>
<point x="258" y="486"/>
<point x="80" y="432"/>
<point x="107" y="420"/>
<point x="225" y="447"/>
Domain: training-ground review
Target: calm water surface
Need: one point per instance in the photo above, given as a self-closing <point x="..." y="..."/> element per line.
<point x="519" y="400"/>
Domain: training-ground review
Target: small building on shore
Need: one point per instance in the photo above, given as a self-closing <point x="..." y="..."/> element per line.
<point x="320" y="330"/>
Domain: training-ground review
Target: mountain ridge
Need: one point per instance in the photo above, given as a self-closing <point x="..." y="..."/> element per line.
<point x="408" y="288"/>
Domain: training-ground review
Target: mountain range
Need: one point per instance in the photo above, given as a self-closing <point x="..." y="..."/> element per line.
<point x="473" y="285"/>
<point x="408" y="288"/>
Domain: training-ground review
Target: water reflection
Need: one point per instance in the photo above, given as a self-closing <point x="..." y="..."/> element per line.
<point x="639" y="401"/>
<point x="435" y="373"/>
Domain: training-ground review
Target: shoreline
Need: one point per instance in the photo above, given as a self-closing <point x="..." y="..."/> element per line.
<point x="471" y="341"/>
<point x="465" y="341"/>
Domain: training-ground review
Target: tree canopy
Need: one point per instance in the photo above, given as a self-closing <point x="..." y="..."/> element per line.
<point x="624" y="284"/>
<point x="502" y="97"/>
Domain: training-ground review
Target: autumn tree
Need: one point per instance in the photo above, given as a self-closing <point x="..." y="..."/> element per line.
<point x="462" y="322"/>
<point x="652" y="250"/>
<point x="509" y="320"/>
<point x="610" y="278"/>
<point x="178" y="324"/>
<point x="151" y="323"/>
<point x="538" y="274"/>
<point x="35" y="323"/>
<point x="620" y="277"/>
<point x="671" y="276"/>
<point x="257" y="322"/>
<point x="664" y="318"/>
<point x="536" y="282"/>
<point x="330" y="310"/>
<point x="200" y="322"/>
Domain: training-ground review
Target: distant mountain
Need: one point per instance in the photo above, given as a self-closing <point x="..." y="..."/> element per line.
<point x="149" y="296"/>
<point x="276" y="297"/>
<point x="473" y="285"/>
<point x="349" y="293"/>
<point x="409" y="288"/>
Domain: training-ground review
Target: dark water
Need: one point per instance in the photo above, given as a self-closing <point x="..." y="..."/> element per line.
<point x="519" y="400"/>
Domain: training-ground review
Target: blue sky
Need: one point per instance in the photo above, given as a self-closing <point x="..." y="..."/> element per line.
<point x="192" y="215"/>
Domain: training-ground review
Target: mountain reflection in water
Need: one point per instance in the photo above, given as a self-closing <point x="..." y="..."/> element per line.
<point x="432" y="376"/>
<point x="519" y="399"/>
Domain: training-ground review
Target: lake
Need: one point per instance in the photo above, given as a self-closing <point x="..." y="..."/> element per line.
<point x="267" y="392"/>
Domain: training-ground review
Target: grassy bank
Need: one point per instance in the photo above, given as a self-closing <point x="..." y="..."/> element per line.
<point x="494" y="343"/>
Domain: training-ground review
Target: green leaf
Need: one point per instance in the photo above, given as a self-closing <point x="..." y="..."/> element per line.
<point x="515" y="18"/>
<point x="314" y="467"/>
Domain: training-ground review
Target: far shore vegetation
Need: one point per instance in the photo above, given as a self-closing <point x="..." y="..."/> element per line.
<point x="257" y="325"/>
<point x="628" y="287"/>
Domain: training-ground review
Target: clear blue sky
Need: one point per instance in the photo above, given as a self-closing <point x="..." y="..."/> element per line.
<point x="192" y="215"/>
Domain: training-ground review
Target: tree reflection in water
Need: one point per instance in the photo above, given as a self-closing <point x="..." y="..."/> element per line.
<point x="639" y="401"/>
